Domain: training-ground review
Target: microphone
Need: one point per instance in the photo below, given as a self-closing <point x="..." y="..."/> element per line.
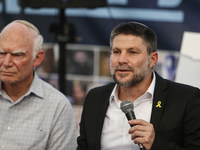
<point x="127" y="107"/>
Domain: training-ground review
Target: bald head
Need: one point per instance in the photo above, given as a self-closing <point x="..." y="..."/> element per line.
<point x="24" y="30"/>
<point x="28" y="24"/>
<point x="15" y="32"/>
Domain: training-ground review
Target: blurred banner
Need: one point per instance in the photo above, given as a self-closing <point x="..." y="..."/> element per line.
<point x="188" y="70"/>
<point x="169" y="19"/>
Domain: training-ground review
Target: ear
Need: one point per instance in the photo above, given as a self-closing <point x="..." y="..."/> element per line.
<point x="153" y="59"/>
<point x="38" y="58"/>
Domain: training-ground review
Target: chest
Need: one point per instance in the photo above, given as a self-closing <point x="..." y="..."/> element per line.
<point x="25" y="125"/>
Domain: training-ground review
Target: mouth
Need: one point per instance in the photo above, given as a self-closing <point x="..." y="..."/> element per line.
<point x="122" y="70"/>
<point x="5" y="73"/>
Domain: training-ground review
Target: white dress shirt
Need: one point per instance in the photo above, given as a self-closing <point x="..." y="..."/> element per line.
<point x="115" y="129"/>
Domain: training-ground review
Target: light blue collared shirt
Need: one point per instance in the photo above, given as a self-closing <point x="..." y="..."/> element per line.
<point x="42" y="119"/>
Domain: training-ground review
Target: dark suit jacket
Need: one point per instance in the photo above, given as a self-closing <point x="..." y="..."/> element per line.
<point x="176" y="123"/>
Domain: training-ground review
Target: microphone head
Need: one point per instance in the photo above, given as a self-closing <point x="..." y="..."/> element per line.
<point x="126" y="106"/>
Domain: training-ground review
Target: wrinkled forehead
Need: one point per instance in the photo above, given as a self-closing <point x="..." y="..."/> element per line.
<point x="16" y="34"/>
<point x="17" y="29"/>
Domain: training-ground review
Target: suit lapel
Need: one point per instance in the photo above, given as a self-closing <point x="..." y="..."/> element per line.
<point x="159" y="99"/>
<point x="101" y="115"/>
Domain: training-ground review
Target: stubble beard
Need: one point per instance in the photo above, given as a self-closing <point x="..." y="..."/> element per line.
<point x="138" y="75"/>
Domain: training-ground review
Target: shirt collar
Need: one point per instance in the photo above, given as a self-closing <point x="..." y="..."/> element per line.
<point x="148" y="95"/>
<point x="33" y="88"/>
<point x="36" y="86"/>
<point x="114" y="95"/>
<point x="1" y="90"/>
<point x="150" y="90"/>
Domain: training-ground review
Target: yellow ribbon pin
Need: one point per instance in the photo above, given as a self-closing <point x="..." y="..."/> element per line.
<point x="159" y="104"/>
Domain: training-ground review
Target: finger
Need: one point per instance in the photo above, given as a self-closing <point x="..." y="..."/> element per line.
<point x="146" y="142"/>
<point x="138" y="121"/>
<point x="138" y="140"/>
<point x="145" y="138"/>
<point x="142" y="131"/>
<point x="137" y="134"/>
<point x="138" y="128"/>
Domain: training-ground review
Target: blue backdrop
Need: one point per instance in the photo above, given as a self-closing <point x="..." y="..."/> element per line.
<point x="168" y="18"/>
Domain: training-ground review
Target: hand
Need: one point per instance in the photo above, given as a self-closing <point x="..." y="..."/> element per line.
<point x="142" y="132"/>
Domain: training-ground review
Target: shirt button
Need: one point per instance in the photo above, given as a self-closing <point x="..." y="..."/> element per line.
<point x="9" y="128"/>
<point x="3" y="146"/>
<point x="127" y="134"/>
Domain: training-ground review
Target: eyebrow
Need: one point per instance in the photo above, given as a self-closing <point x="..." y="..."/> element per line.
<point x="2" y="51"/>
<point x="130" y="48"/>
<point x="14" y="52"/>
<point x="18" y="51"/>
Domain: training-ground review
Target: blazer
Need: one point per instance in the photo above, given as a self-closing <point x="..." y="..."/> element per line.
<point x="176" y="122"/>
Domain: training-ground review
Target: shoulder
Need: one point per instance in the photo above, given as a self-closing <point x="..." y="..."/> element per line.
<point x="103" y="88"/>
<point x="165" y="83"/>
<point x="175" y="88"/>
<point x="99" y="95"/>
<point x="101" y="91"/>
<point x="184" y="91"/>
<point x="181" y="87"/>
<point x="52" y="95"/>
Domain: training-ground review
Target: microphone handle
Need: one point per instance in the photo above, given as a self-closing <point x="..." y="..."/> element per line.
<point x="130" y="116"/>
<point x="141" y="146"/>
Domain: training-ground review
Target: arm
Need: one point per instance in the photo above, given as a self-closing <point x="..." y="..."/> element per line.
<point x="82" y="139"/>
<point x="63" y="132"/>
<point x="190" y="126"/>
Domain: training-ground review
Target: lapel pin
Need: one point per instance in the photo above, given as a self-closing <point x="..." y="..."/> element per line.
<point x="159" y="104"/>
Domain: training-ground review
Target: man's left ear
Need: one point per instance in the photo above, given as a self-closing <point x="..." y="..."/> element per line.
<point x="153" y="59"/>
<point x="38" y="58"/>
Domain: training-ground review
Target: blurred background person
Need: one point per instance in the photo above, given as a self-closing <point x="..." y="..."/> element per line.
<point x="78" y="93"/>
<point x="80" y="64"/>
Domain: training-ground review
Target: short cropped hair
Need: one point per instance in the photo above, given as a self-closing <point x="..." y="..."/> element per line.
<point x="38" y="41"/>
<point x="136" y="29"/>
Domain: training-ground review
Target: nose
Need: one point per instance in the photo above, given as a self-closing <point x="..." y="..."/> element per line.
<point x="7" y="62"/>
<point x="123" y="58"/>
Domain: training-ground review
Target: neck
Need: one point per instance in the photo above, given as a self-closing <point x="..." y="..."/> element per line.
<point x="15" y="91"/>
